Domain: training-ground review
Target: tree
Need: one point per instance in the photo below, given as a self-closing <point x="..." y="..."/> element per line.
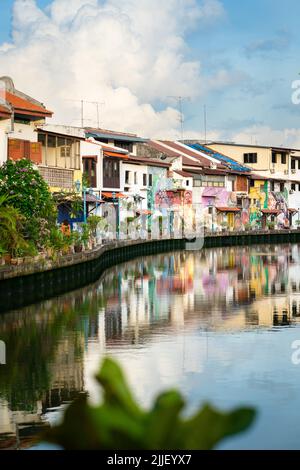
<point x="11" y="223"/>
<point x="31" y="197"/>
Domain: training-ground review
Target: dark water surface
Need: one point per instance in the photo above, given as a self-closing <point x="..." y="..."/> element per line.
<point x="218" y="323"/>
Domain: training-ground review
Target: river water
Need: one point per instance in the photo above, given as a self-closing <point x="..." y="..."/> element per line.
<point x="218" y="324"/>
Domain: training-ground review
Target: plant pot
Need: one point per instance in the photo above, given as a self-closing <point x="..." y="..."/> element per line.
<point x="14" y="261"/>
<point x="2" y="260"/>
<point x="78" y="248"/>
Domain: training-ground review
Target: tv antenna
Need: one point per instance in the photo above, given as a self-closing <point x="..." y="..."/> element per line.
<point x="96" y="103"/>
<point x="180" y="100"/>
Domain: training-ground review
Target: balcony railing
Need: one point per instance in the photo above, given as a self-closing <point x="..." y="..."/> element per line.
<point x="58" y="177"/>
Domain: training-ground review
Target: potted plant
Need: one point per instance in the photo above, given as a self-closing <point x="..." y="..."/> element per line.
<point x="85" y="235"/>
<point x="271" y="225"/>
<point x="77" y="242"/>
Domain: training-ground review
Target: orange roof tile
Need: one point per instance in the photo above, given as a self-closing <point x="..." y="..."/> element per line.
<point x="23" y="106"/>
<point x="115" y="154"/>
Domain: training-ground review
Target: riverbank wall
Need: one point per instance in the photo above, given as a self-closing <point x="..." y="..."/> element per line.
<point x="33" y="282"/>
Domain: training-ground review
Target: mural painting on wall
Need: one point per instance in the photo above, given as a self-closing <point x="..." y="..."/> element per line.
<point x="220" y="197"/>
<point x="258" y="196"/>
<point x="278" y="201"/>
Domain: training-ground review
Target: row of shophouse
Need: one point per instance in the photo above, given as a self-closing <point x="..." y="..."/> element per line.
<point x="226" y="185"/>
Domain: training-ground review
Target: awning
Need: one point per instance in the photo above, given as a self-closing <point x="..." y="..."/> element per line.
<point x="270" y="211"/>
<point x="144" y="212"/>
<point x="92" y="198"/>
<point x="115" y="154"/>
<point x="228" y="209"/>
<point x="116" y="195"/>
<point x="293" y="211"/>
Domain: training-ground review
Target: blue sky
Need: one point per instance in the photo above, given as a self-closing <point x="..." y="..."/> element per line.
<point x="255" y="43"/>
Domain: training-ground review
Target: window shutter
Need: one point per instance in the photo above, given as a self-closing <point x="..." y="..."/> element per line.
<point x="36" y="152"/>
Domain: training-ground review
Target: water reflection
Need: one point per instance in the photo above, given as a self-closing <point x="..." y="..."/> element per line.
<point x="172" y="319"/>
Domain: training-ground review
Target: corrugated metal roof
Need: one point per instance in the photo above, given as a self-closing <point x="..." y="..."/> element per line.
<point x="233" y="164"/>
<point x="113" y="135"/>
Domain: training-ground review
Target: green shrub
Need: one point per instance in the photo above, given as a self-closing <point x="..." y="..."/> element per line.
<point x="120" y="423"/>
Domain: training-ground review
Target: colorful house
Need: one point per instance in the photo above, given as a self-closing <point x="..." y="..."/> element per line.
<point x="19" y="116"/>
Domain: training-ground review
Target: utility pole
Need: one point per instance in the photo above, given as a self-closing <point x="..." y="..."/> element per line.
<point x="205" y="122"/>
<point x="180" y="100"/>
<point x="82" y="120"/>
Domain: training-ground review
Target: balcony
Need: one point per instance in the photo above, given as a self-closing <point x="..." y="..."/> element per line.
<point x="57" y="177"/>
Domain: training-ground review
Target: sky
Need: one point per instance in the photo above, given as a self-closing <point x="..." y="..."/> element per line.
<point x="238" y="59"/>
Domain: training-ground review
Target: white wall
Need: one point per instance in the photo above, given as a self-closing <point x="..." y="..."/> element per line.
<point x="137" y="188"/>
<point x="4" y="126"/>
<point x="93" y="149"/>
<point x="25" y="132"/>
<point x="21" y="131"/>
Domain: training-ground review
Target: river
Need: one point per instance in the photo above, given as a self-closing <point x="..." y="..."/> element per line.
<point x="218" y="324"/>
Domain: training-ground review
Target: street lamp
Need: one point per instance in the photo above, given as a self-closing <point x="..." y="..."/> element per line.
<point x="116" y="205"/>
<point x="84" y="190"/>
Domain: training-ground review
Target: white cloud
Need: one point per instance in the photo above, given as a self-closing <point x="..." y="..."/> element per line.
<point x="130" y="55"/>
<point x="265" y="135"/>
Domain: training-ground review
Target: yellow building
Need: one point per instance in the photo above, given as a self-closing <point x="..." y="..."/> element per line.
<point x="61" y="159"/>
<point x="267" y="161"/>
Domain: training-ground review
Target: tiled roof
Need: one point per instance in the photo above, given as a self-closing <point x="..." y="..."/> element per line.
<point x="25" y="106"/>
<point x="185" y="174"/>
<point x="188" y="152"/>
<point x="4" y="111"/>
<point x="161" y="148"/>
<point x="148" y="161"/>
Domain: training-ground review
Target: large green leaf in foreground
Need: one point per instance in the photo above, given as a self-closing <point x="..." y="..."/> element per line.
<point x="119" y="422"/>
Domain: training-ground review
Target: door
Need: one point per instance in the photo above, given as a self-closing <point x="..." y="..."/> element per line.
<point x="89" y="169"/>
<point x="230" y="220"/>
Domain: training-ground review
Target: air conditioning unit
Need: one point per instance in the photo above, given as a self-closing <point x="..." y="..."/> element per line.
<point x="272" y="170"/>
<point x="293" y="171"/>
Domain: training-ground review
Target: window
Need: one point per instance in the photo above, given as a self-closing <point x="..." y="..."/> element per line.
<point x="298" y="164"/>
<point x="272" y="186"/>
<point x="298" y="187"/>
<point x="135" y="177"/>
<point x="281" y="187"/>
<point x="251" y="183"/>
<point x="127" y="177"/>
<point x="150" y="180"/>
<point x="124" y="145"/>
<point x="22" y="121"/>
<point x="283" y="158"/>
<point x="144" y="179"/>
<point x="250" y="157"/>
<point x="274" y="157"/>
<point x="111" y="173"/>
<point x="239" y="202"/>
<point x="293" y="187"/>
<point x="187" y="182"/>
<point x="293" y="164"/>
<point x="65" y="151"/>
<point x="197" y="183"/>
<point x="89" y="170"/>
